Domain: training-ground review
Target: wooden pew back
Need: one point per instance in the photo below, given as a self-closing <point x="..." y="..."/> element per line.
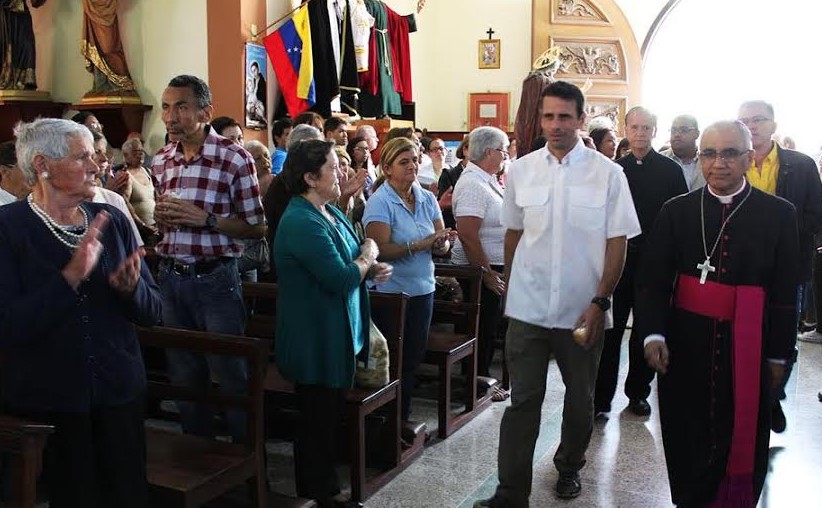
<point x="189" y="470"/>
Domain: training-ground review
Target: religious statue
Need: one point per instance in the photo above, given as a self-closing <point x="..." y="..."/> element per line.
<point x="17" y="45"/>
<point x="102" y="49"/>
<point x="527" y="124"/>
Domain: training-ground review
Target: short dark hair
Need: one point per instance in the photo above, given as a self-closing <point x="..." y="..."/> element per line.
<point x="399" y="132"/>
<point x="425" y="141"/>
<point x="333" y="123"/>
<point x="308" y="117"/>
<point x="622" y="145"/>
<point x="598" y="134"/>
<point x="81" y="117"/>
<point x="8" y="154"/>
<point x="202" y="94"/>
<point x="223" y="122"/>
<point x="304" y="157"/>
<point x="279" y="127"/>
<point x="255" y="64"/>
<point x="566" y="91"/>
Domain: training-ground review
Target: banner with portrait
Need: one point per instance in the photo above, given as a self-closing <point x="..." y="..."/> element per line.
<point x="255" y="87"/>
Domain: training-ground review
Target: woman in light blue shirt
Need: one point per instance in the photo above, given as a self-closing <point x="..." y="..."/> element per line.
<point x="405" y="221"/>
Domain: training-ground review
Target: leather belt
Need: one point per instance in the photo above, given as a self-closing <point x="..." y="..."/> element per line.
<point x="201" y="267"/>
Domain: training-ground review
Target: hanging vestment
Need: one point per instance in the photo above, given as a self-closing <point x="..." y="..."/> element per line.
<point x="361" y="24"/>
<point x="389" y="69"/>
<point x="326" y="77"/>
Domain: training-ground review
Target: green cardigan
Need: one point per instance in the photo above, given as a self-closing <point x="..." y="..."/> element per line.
<point x="317" y="311"/>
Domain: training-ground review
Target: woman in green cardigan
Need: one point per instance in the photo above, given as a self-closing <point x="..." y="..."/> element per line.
<point x="322" y="311"/>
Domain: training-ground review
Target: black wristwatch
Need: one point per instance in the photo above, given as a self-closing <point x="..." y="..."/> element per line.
<point x="211" y="221"/>
<point x="602" y="302"/>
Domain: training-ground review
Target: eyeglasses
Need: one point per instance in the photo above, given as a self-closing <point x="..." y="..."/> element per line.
<point x="755" y="120"/>
<point x="727" y="155"/>
<point x="504" y="153"/>
<point x="682" y="130"/>
<point x="437" y="149"/>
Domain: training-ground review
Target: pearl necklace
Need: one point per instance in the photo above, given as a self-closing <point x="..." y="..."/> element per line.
<point x="67" y="238"/>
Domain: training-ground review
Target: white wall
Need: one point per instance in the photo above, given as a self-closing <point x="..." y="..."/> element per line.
<point x="161" y="40"/>
<point x="444" y="56"/>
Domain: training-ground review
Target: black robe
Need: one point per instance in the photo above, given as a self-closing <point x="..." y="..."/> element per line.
<point x="759" y="247"/>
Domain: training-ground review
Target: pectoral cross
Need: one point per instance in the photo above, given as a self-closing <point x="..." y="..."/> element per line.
<point x="490" y="33"/>
<point x="705" y="268"/>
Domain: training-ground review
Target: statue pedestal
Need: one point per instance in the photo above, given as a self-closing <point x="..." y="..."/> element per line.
<point x="25" y="106"/>
<point x="119" y="115"/>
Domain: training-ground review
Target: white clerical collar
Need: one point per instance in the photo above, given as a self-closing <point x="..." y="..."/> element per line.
<point x="725" y="200"/>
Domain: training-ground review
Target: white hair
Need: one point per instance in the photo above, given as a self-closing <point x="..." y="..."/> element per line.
<point x="741" y="129"/>
<point x="600" y="122"/>
<point x="485" y="138"/>
<point x="131" y="144"/>
<point x="251" y="146"/>
<point x="48" y="137"/>
<point x="302" y="132"/>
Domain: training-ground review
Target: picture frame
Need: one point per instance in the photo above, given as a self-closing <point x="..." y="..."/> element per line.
<point x="489" y="54"/>
<point x="256" y="108"/>
<point x="489" y="108"/>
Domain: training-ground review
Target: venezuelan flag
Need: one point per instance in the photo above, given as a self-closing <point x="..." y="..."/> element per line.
<point x="289" y="49"/>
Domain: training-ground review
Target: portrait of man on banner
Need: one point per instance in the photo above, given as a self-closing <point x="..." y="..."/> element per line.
<point x="255" y="87"/>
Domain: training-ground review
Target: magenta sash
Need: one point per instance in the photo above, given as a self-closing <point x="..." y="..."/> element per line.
<point x="744" y="307"/>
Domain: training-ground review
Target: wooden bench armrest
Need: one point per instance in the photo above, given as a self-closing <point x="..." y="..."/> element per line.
<point x="14" y="431"/>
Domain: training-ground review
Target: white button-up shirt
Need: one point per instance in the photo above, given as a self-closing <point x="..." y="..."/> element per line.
<point x="567" y="211"/>
<point x="478" y="194"/>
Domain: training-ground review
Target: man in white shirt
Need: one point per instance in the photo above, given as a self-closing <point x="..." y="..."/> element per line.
<point x="568" y="213"/>
<point x="13" y="184"/>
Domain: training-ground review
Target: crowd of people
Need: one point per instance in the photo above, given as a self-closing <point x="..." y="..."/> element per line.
<point x="711" y="246"/>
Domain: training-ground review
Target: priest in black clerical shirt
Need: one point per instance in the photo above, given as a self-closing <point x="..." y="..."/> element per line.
<point x="653" y="179"/>
<point x="716" y="307"/>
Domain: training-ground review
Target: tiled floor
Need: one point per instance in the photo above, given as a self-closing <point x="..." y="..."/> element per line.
<point x="626" y="467"/>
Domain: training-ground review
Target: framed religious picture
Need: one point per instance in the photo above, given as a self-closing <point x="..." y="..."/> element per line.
<point x="255" y="89"/>
<point x="488" y="109"/>
<point x="489" y="54"/>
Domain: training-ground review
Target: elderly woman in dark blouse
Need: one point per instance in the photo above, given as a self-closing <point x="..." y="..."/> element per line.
<point x="72" y="286"/>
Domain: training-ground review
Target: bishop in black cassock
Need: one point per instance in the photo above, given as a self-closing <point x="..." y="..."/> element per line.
<point x="717" y="303"/>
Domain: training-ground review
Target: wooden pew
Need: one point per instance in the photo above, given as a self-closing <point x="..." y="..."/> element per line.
<point x="185" y="470"/>
<point x="23" y="442"/>
<point x="388" y="311"/>
<point x="446" y="349"/>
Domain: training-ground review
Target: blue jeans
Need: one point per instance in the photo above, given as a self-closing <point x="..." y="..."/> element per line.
<point x="210" y="302"/>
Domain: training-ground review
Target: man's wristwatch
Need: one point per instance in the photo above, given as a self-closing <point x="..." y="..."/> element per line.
<point x="602" y="302"/>
<point x="211" y="221"/>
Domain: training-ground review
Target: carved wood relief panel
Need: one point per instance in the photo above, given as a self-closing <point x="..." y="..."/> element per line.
<point x="611" y="107"/>
<point x="590" y="58"/>
<point x="577" y="12"/>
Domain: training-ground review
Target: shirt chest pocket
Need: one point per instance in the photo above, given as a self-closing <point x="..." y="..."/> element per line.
<point x="586" y="208"/>
<point x="536" y="207"/>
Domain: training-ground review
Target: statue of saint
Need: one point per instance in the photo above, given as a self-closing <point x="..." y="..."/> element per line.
<point x="17" y="45"/>
<point x="102" y="49"/>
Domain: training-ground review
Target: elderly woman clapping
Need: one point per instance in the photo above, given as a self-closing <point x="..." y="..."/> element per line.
<point x="323" y="313"/>
<point x="72" y="286"/>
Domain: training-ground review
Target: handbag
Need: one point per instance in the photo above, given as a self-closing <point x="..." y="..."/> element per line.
<point x="374" y="372"/>
<point x="257" y="255"/>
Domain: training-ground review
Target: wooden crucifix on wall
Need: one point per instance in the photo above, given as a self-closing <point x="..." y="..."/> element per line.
<point x="489" y="52"/>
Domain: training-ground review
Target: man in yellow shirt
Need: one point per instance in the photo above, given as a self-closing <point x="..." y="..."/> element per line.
<point x="793" y="176"/>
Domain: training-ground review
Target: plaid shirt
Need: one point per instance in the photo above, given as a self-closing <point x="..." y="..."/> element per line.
<point x="222" y="180"/>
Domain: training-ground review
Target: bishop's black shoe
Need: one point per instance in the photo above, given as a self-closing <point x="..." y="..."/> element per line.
<point x="568" y="485"/>
<point x="778" y="421"/>
<point x="639" y="407"/>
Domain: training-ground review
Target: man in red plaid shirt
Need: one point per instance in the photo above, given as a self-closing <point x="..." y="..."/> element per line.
<point x="208" y="200"/>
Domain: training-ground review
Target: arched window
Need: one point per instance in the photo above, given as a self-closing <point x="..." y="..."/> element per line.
<point x="708" y="56"/>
